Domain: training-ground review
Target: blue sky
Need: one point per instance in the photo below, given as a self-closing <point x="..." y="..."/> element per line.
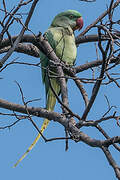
<point x="49" y="160"/>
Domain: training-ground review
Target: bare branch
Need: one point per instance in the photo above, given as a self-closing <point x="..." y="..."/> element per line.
<point x="99" y="18"/>
<point x="29" y="116"/>
<point x="111" y="161"/>
<point x="3" y="60"/>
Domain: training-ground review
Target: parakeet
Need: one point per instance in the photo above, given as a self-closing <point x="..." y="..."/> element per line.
<point x="60" y="36"/>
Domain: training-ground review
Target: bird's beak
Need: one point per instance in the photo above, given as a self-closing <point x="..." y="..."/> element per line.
<point x="79" y="24"/>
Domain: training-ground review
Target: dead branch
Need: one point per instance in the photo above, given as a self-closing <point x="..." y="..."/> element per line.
<point x="99" y="18"/>
<point x="3" y="60"/>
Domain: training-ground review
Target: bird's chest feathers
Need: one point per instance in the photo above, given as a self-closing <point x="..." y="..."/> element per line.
<point x="65" y="45"/>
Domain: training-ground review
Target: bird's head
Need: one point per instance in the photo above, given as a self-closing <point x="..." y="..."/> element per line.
<point x="69" y="18"/>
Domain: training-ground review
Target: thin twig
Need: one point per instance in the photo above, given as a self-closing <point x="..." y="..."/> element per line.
<point x="3" y="60"/>
<point x="25" y="104"/>
<point x="99" y="19"/>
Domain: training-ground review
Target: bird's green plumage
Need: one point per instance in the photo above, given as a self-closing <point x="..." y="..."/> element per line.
<point x="61" y="37"/>
<point x="63" y="43"/>
<point x="66" y="19"/>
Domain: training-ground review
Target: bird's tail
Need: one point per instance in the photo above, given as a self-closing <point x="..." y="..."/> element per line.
<point x="50" y="106"/>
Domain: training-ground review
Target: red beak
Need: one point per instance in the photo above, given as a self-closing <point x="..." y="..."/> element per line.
<point x="79" y="24"/>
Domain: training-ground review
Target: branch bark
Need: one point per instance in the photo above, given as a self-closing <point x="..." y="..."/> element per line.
<point x="11" y="50"/>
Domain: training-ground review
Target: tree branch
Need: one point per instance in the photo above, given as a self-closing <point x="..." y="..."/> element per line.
<point x="11" y="50"/>
<point x="99" y="19"/>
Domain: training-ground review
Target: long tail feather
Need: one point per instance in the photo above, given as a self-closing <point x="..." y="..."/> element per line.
<point x="44" y="126"/>
<point x="51" y="100"/>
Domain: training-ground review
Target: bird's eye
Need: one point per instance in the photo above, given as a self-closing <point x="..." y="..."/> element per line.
<point x="71" y="16"/>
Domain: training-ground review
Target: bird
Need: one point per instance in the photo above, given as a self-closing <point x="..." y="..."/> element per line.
<point x="60" y="36"/>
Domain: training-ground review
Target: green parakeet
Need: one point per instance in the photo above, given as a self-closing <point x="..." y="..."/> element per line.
<point x="60" y="36"/>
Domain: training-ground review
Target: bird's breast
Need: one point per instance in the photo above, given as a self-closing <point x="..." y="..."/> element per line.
<point x="65" y="46"/>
